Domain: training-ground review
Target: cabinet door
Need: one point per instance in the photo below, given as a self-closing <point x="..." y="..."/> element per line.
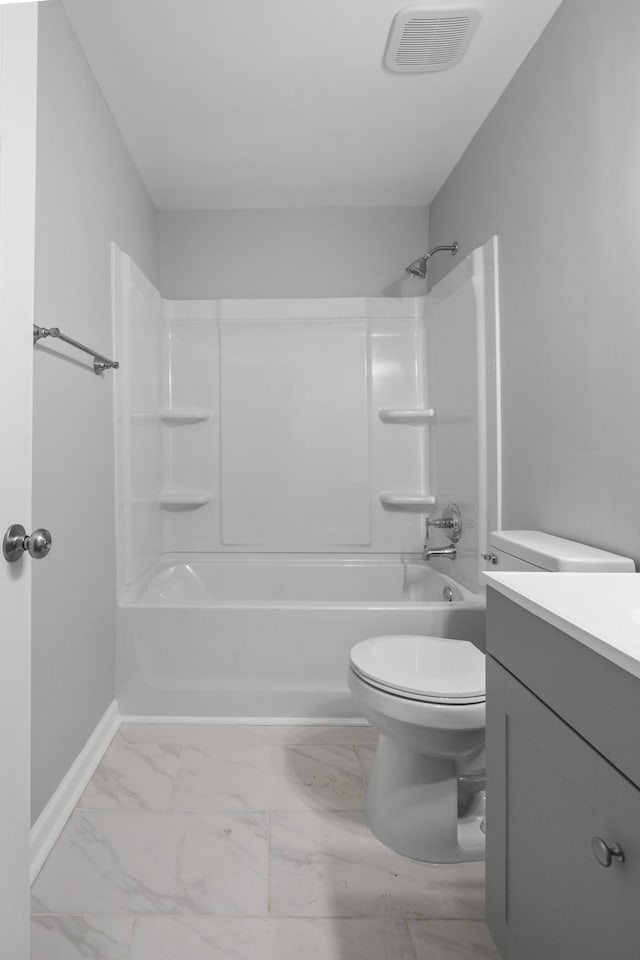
<point x="549" y="793"/>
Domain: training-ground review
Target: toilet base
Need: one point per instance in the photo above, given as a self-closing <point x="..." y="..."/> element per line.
<point x="412" y="806"/>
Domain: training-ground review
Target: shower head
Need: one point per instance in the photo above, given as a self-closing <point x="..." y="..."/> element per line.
<point x="418" y="268"/>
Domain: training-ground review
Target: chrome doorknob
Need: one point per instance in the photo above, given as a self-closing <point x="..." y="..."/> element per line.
<point x="606" y="852"/>
<point x="39" y="543"/>
<point x="16" y="543"/>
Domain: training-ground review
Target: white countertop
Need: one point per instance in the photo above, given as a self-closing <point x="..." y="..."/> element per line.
<point x="600" y="610"/>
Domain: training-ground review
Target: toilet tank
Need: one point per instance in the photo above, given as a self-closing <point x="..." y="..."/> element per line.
<point x="531" y="550"/>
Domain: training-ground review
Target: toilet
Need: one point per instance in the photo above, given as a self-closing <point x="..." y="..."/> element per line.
<point x="426" y="697"/>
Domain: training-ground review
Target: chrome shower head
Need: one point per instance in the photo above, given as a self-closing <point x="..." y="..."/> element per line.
<point x="418" y="268"/>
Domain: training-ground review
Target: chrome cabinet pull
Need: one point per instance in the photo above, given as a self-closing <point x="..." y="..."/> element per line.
<point x="606" y="852"/>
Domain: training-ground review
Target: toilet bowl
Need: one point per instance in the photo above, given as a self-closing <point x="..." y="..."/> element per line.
<point x="426" y="697"/>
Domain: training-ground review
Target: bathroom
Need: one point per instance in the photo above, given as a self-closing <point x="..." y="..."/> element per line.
<point x="545" y="161"/>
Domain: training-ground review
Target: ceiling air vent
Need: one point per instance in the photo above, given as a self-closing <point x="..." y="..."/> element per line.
<point x="421" y="41"/>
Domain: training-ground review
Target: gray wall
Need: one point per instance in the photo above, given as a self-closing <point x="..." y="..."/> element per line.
<point x="333" y="252"/>
<point x="554" y="171"/>
<point x="88" y="193"/>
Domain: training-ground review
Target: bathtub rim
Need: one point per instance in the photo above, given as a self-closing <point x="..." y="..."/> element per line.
<point x="129" y="599"/>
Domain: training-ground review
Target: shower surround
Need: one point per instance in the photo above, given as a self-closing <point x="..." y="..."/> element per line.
<point x="275" y="461"/>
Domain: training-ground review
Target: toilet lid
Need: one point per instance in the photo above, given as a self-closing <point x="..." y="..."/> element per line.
<point x="436" y="669"/>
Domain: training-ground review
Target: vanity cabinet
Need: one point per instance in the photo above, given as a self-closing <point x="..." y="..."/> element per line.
<point x="552" y="790"/>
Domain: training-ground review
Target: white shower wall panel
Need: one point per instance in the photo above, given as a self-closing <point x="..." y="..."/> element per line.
<point x="399" y="452"/>
<point x="455" y="431"/>
<point x="295" y="434"/>
<point x="256" y="425"/>
<point x="191" y="451"/>
<point x="293" y="454"/>
<point x="191" y="368"/>
<point x="137" y="333"/>
<point x="462" y="359"/>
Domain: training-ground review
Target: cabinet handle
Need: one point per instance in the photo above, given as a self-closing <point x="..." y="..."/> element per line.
<point x="606" y="852"/>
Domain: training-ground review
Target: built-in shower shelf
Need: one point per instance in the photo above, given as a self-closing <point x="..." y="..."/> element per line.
<point x="416" y="415"/>
<point x="174" y="500"/>
<point x="181" y="416"/>
<point x="408" y="501"/>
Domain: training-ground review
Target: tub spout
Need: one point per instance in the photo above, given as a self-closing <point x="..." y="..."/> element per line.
<point x="429" y="553"/>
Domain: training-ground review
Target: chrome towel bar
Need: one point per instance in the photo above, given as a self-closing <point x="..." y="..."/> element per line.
<point x="100" y="363"/>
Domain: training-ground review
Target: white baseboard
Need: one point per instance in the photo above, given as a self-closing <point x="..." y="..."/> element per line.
<point x="51" y="821"/>
<point x="254" y="721"/>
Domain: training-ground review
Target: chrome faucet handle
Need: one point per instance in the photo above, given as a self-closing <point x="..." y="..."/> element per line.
<point x="451" y="520"/>
<point x="442" y="523"/>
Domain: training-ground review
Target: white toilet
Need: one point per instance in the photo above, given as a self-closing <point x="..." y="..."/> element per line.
<point x="426" y="697"/>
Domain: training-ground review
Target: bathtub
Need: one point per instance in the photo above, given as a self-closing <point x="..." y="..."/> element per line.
<point x="266" y="636"/>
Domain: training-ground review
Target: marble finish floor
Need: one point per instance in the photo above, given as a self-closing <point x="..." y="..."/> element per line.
<point x="212" y="842"/>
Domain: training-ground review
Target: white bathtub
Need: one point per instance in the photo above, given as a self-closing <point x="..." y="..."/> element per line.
<point x="269" y="636"/>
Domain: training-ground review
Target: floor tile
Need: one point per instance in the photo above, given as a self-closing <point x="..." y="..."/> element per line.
<point x="136" y="776"/>
<point x="269" y="777"/>
<point x="130" y="862"/>
<point x="223" y="777"/>
<point x="316" y="776"/>
<point x="194" y="733"/>
<point x="452" y="940"/>
<point x="329" y="864"/>
<point x="130" y="879"/>
<point x="80" y="938"/>
<point x="353" y="735"/>
<point x="197" y="939"/>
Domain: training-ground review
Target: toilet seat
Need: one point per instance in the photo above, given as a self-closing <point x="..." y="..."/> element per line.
<point x="430" y="669"/>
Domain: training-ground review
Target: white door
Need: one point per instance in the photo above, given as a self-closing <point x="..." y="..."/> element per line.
<point x="18" y="49"/>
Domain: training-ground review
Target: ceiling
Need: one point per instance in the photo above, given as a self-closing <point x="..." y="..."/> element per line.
<point x="243" y="104"/>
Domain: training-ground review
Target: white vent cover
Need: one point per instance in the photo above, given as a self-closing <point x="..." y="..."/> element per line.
<point x="422" y="41"/>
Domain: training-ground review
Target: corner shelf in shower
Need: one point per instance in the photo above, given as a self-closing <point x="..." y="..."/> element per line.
<point x="414" y="415"/>
<point x="407" y="501"/>
<point x="175" y="500"/>
<point x="181" y="416"/>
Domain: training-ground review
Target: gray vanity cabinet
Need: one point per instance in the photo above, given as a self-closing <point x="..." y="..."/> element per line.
<point x="550" y="793"/>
